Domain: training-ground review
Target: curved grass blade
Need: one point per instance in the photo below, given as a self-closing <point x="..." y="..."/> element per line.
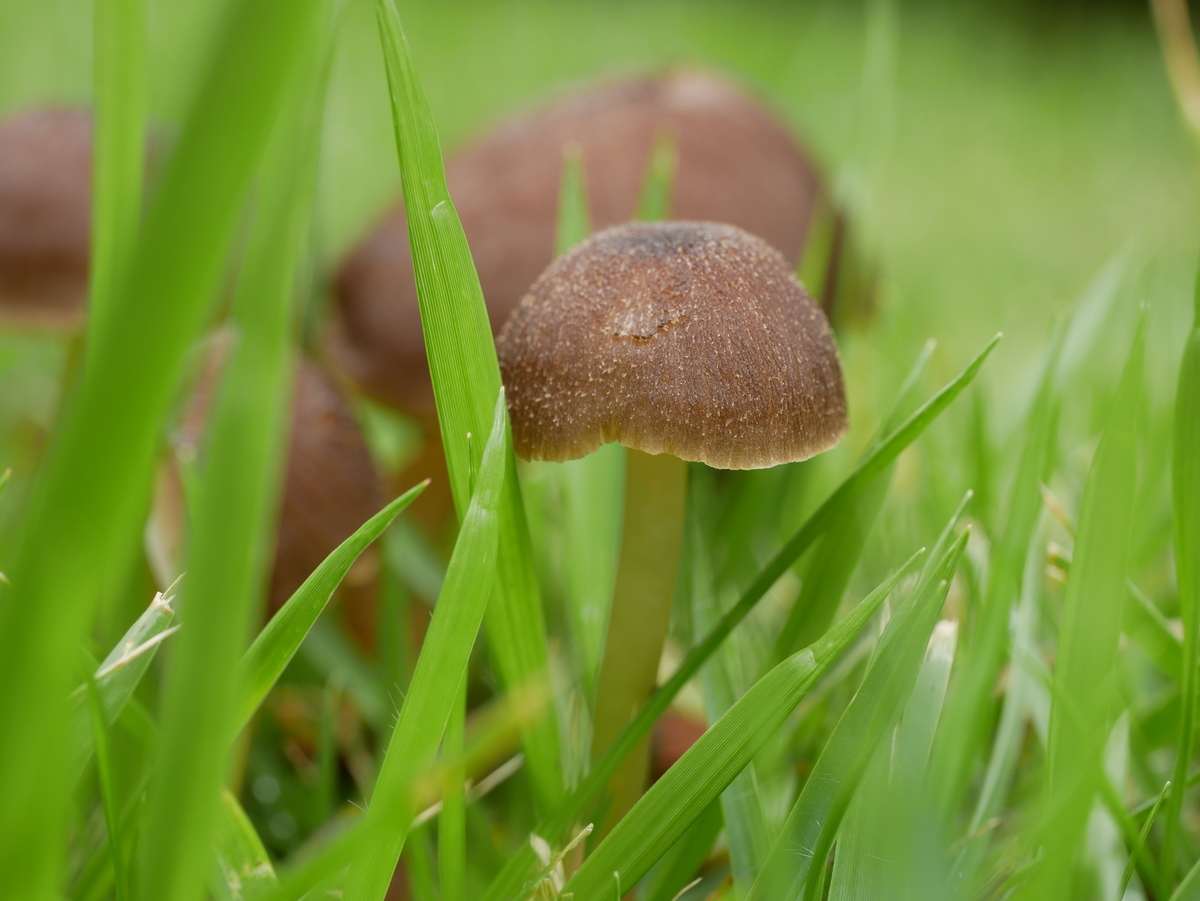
<point x="672" y="803"/>
<point x="230" y="539"/>
<point x="466" y="380"/>
<point x="797" y="861"/>
<point x="833" y="564"/>
<point x="438" y="678"/>
<point x="554" y="828"/>
<point x="117" y="676"/>
<point x="1185" y="494"/>
<point x="1084" y="678"/>
<point x="242" y="867"/>
<point x="266" y="659"/>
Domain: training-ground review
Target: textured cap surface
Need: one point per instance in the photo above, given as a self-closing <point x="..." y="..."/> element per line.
<point x="45" y="217"/>
<point x="687" y="338"/>
<point x="737" y="163"/>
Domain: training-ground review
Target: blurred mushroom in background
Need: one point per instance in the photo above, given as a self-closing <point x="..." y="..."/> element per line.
<point x="737" y="163"/>
<point x="45" y="218"/>
<point x="330" y="488"/>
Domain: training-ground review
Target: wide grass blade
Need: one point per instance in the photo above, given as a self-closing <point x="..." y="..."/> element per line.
<point x="1185" y="494"/>
<point x="1084" y="680"/>
<point x="677" y="867"/>
<point x="118" y="139"/>
<point x="230" y="535"/>
<point x="117" y="676"/>
<point x="672" y="803"/>
<point x="439" y="677"/>
<point x="877" y="461"/>
<point x="242" y="867"/>
<point x="466" y="381"/>
<point x="86" y="509"/>
<point x="797" y="861"/>
<point x="266" y="659"/>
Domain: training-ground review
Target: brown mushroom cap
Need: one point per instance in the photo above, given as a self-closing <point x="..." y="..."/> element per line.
<point x="45" y="217"/>
<point x="331" y="486"/>
<point x="686" y="338"/>
<point x="736" y="163"/>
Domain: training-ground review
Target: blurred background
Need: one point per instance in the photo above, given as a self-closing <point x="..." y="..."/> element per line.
<point x="997" y="162"/>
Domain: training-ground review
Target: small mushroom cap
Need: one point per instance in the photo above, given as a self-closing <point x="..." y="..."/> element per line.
<point x="45" y="217"/>
<point x="737" y="163"/>
<point x="685" y="338"/>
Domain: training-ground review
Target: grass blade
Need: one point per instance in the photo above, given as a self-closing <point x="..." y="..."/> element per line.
<point x="118" y="139"/>
<point x="229" y="546"/>
<point x="1185" y="492"/>
<point x="877" y="461"/>
<point x="654" y="204"/>
<point x="452" y="837"/>
<point x="1081" y="710"/>
<point x="1136" y="850"/>
<point x="243" y="870"/>
<point x="63" y="560"/>
<point x="466" y="381"/>
<point x="266" y="659"/>
<point x="107" y="797"/>
<point x="673" y="802"/>
<point x="116" y="678"/>
<point x="797" y="860"/>
<point x="438" y="678"/>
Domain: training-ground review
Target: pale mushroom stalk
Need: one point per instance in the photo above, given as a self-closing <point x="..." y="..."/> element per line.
<point x="651" y="538"/>
<point x="683" y="341"/>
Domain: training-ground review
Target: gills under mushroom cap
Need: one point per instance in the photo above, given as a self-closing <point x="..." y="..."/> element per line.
<point x="686" y="338"/>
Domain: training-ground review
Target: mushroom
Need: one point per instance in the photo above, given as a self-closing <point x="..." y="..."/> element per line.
<point x="330" y="488"/>
<point x="736" y="163"/>
<point x="683" y="341"/>
<point x="45" y="218"/>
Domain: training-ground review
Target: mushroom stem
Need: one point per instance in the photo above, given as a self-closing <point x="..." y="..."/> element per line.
<point x="652" y="534"/>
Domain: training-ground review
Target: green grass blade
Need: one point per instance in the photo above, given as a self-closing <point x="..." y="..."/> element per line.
<point x="574" y="218"/>
<point x="116" y="678"/>
<point x="591" y="486"/>
<point x="877" y="461"/>
<point x="452" y="837"/>
<point x="466" y="380"/>
<point x="1185" y="485"/>
<point x="1136" y="850"/>
<point x="230" y="539"/>
<point x="875" y="845"/>
<point x="672" y="803"/>
<point x="64" y="561"/>
<point x="741" y="803"/>
<point x="679" y="865"/>
<point x="266" y="659"/>
<point x="1189" y="889"/>
<point x="439" y="675"/>
<point x="1146" y="626"/>
<point x="118" y="141"/>
<point x="833" y="563"/>
<point x="242" y="867"/>
<point x="1081" y="710"/>
<point x="801" y="849"/>
<point x="107" y="796"/>
<point x="654" y="204"/>
<point x="968" y="709"/>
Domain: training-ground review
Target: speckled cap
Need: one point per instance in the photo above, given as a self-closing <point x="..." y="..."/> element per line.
<point x="45" y="217"/>
<point x="686" y="338"/>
